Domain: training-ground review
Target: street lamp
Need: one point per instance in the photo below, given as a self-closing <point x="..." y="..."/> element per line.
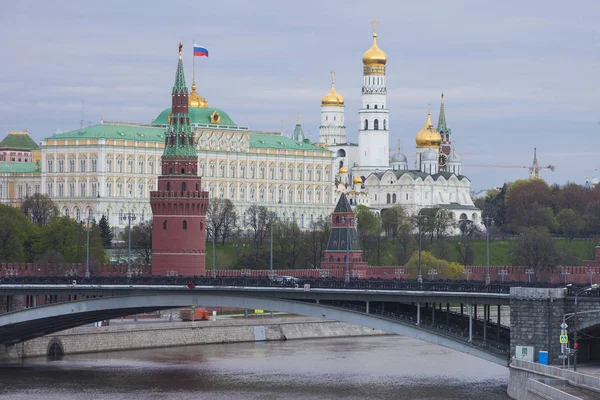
<point x="214" y="272"/>
<point x="347" y="274"/>
<point x="129" y="217"/>
<point x="503" y="273"/>
<point x="420" y="220"/>
<point x="529" y="272"/>
<point x="487" y="249"/>
<point x="575" y="345"/>
<point x="432" y="273"/>
<point x="87" y="251"/>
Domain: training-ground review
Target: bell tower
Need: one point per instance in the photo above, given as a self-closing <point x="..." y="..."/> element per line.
<point x="179" y="204"/>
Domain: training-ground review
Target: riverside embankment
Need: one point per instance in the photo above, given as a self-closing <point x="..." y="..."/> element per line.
<point x="168" y="334"/>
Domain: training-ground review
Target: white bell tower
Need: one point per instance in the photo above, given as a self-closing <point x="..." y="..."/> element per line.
<point x="333" y="129"/>
<point x="373" y="116"/>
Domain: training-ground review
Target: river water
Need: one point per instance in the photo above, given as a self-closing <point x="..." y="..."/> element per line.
<point x="383" y="367"/>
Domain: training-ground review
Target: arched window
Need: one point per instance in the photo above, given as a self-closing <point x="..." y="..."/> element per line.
<point x="376" y="106"/>
<point x="201" y="225"/>
<point x="165" y="225"/>
<point x="337" y="219"/>
<point x="170" y="171"/>
<point x="330" y="258"/>
<point x="376" y="124"/>
<point x="394" y="198"/>
<point x="182" y="171"/>
<point x="183" y="187"/>
<point x="366" y="124"/>
<point x="184" y="224"/>
<point x="389" y="198"/>
<point x="384" y="124"/>
<point x="168" y="186"/>
<point x="367" y="106"/>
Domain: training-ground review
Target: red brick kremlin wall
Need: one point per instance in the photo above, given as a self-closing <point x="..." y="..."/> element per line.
<point x="576" y="274"/>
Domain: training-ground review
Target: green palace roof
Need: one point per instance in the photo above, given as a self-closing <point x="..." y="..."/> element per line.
<point x="116" y="132"/>
<point x="265" y="141"/>
<point x="18" y="168"/>
<point x="18" y="141"/>
<point x="198" y="115"/>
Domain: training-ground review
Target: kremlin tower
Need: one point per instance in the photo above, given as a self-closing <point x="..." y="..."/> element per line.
<point x="179" y="204"/>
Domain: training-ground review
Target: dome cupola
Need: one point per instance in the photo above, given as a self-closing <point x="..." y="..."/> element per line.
<point x="428" y="137"/>
<point x="374" y="56"/>
<point x="332" y="98"/>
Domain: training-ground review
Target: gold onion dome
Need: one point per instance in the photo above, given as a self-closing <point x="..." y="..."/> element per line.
<point x="357" y="179"/>
<point x="428" y="137"/>
<point x="374" y="56"/>
<point x="195" y="100"/>
<point x="332" y="98"/>
<point x="343" y="170"/>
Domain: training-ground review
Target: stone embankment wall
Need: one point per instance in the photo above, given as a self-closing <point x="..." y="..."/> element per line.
<point x="531" y="381"/>
<point x="144" y="336"/>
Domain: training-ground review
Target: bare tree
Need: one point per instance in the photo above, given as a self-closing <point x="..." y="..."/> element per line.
<point x="257" y="217"/>
<point x="39" y="208"/>
<point x="468" y="231"/>
<point x="229" y="220"/>
<point x="536" y="249"/>
<point x="289" y="242"/>
<point x="315" y="241"/>
<point x="141" y="241"/>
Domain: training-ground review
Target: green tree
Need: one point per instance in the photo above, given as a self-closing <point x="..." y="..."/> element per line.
<point x="392" y="221"/>
<point x="366" y="220"/>
<point x="445" y="269"/>
<point x="536" y="249"/>
<point x="468" y="231"/>
<point x="141" y="241"/>
<point x="526" y="203"/>
<point x="570" y="222"/>
<point x="13" y="234"/>
<point x="105" y="232"/>
<point x="39" y="208"/>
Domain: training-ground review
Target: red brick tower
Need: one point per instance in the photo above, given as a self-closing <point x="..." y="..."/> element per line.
<point x="179" y="204"/>
<point x="343" y="225"/>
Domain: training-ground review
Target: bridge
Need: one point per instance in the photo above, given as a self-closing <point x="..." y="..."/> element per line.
<point x="450" y="314"/>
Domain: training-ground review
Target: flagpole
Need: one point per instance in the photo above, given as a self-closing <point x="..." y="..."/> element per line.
<point x="194" y="63"/>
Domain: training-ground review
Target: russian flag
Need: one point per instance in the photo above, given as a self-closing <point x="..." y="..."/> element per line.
<point x="200" y="51"/>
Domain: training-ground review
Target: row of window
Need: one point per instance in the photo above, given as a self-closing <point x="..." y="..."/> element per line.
<point x="261" y="172"/>
<point x="91" y="215"/>
<point x="23" y="191"/>
<point x="375" y="125"/>
<point x="70" y="166"/>
<point x="282" y="195"/>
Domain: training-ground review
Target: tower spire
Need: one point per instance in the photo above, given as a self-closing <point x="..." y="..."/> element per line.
<point x="441" y="126"/>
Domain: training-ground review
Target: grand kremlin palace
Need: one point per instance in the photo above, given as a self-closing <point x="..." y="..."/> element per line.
<point x="112" y="167"/>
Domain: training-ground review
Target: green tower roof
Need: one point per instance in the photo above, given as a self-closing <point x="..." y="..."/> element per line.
<point x="343" y="205"/>
<point x="18" y="141"/>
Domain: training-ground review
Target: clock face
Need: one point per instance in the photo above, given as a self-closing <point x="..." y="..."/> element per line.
<point x="443" y="159"/>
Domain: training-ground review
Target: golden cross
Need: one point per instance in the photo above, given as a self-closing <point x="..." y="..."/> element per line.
<point x="374" y="22"/>
<point x="429" y="108"/>
<point x="332" y="77"/>
<point x="298" y="116"/>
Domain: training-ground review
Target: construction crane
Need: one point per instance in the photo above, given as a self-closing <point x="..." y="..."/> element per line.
<point x="534" y="168"/>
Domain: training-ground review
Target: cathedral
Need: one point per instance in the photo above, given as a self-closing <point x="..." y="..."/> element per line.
<point x="367" y="174"/>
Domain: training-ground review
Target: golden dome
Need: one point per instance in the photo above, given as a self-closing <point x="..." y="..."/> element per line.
<point x="357" y="179"/>
<point x="343" y="170"/>
<point x="428" y="137"/>
<point x="195" y="100"/>
<point x="332" y="98"/>
<point x="374" y="56"/>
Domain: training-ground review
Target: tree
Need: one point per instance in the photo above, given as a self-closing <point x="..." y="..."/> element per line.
<point x="468" y="231"/>
<point x="370" y="232"/>
<point x="393" y="221"/>
<point x="258" y="220"/>
<point x="12" y="234"/>
<point x="366" y="220"/>
<point x="435" y="222"/>
<point x="229" y="220"/>
<point x="39" y="208"/>
<point x="404" y="236"/>
<point x="493" y="205"/>
<point x="315" y="241"/>
<point x="525" y="203"/>
<point x="570" y="222"/>
<point x="105" y="232"/>
<point x="289" y="242"/>
<point x="536" y="249"/>
<point x="444" y="269"/>
<point x="141" y="241"/>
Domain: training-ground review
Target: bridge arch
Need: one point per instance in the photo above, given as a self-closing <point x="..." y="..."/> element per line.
<point x="27" y="324"/>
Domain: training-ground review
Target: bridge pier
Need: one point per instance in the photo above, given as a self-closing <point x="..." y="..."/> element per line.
<point x="485" y="319"/>
<point x="470" y="311"/>
<point x="498" y="323"/>
<point x="433" y="315"/>
<point x="447" y="314"/>
<point x="367" y="306"/>
<point x="418" y="313"/>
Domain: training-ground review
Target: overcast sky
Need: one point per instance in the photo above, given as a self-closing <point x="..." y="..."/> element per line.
<point x="515" y="74"/>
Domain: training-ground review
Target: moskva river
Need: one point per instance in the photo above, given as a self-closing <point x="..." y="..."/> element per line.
<point x="384" y="367"/>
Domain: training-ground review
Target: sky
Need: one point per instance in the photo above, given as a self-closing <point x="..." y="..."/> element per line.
<point x="515" y="74"/>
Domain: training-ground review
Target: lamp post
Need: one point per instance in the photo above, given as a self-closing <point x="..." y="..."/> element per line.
<point x="420" y="220"/>
<point x="565" y="273"/>
<point x="529" y="272"/>
<point x="575" y="344"/>
<point x="432" y="273"/>
<point x="503" y="273"/>
<point x="87" y="251"/>
<point x="213" y="272"/>
<point x="271" y="245"/>
<point x="347" y="274"/>
<point x="487" y="249"/>
<point x="129" y="217"/>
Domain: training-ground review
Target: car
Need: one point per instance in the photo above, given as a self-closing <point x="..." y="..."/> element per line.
<point x="286" y="279"/>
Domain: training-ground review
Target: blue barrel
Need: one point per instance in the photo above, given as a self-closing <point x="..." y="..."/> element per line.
<point x="543" y="357"/>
